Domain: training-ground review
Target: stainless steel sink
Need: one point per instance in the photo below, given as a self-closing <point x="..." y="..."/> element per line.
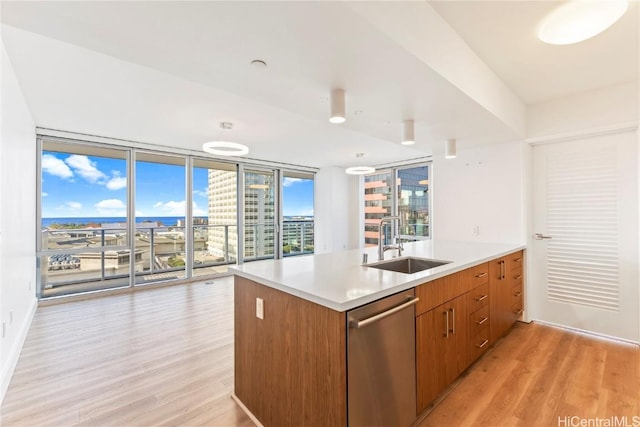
<point x="408" y="265"/>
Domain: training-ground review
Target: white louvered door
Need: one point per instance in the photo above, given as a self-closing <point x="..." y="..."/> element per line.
<point x="585" y="257"/>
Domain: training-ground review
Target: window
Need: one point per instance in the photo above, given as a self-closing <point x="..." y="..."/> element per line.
<point x="297" y="213"/>
<point x="400" y="191"/>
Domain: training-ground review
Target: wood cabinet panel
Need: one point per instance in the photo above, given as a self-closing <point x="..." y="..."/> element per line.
<point x="439" y="291"/>
<point x="478" y="297"/>
<point x="477" y="275"/>
<point x="505" y="307"/>
<point x="441" y="348"/>
<point x="301" y="350"/>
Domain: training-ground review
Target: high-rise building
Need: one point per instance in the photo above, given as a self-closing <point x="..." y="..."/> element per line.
<point x="223" y="206"/>
<point x="259" y="215"/>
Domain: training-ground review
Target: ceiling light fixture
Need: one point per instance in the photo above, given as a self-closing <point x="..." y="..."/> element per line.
<point x="225" y="148"/>
<point x="408" y="137"/>
<point x="360" y="170"/>
<point x="337" y="106"/>
<point x="579" y="20"/>
<point x="450" y="150"/>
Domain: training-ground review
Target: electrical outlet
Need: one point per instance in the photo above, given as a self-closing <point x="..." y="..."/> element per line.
<point x="476" y="230"/>
<point x="11" y="317"/>
<point x="259" y="308"/>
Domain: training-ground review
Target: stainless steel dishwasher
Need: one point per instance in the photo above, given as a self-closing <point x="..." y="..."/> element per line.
<point x="381" y="364"/>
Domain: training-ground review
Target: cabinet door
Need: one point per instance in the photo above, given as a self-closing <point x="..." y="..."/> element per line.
<point x="432" y="332"/>
<point x="442" y="349"/>
<point x="457" y="345"/>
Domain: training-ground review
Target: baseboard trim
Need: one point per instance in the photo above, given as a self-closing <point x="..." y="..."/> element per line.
<point x="14" y="354"/>
<point x="246" y="410"/>
<point x="588" y="333"/>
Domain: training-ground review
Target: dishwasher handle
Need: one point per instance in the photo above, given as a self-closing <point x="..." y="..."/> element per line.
<point x="364" y="322"/>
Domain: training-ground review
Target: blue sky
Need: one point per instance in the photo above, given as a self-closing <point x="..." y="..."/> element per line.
<point x="89" y="186"/>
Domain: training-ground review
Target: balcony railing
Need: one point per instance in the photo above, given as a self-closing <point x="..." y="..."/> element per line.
<point x="93" y="258"/>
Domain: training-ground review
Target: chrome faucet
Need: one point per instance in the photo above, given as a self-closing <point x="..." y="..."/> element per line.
<point x="383" y="248"/>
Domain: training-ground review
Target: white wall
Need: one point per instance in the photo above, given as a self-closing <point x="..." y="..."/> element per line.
<point x="17" y="220"/>
<point x="336" y="211"/>
<point x="589" y="111"/>
<point x="479" y="195"/>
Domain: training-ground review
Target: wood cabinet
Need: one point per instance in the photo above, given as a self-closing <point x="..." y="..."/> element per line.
<point x="441" y="348"/>
<point x="506" y="293"/>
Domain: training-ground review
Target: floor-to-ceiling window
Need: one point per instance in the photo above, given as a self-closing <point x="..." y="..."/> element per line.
<point x="402" y="191"/>
<point x="259" y="214"/>
<point x="118" y="216"/>
<point x="84" y="242"/>
<point x="215" y="234"/>
<point x="160" y="237"/>
<point x="297" y="213"/>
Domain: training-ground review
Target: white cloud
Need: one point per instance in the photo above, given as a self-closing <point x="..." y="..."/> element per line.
<point x="290" y="181"/>
<point x="202" y="193"/>
<point x="198" y="211"/>
<point x="116" y="183"/>
<point x="85" y="168"/>
<point x="111" y="207"/>
<point x="173" y="208"/>
<point x="70" y="206"/>
<point x="54" y="166"/>
<point x="44" y="194"/>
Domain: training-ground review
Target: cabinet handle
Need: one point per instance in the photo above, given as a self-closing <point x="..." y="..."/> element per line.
<point x="482" y="298"/>
<point x="453" y="320"/>
<point x="517" y="294"/>
<point x="518" y="277"/>
<point x="480" y="322"/>
<point x="480" y="275"/>
<point x="502" y="270"/>
<point x="485" y="342"/>
<point x="519" y="311"/>
<point x="517" y="259"/>
<point x="446" y="324"/>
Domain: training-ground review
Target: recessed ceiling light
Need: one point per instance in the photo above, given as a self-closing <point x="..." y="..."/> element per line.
<point x="579" y="20"/>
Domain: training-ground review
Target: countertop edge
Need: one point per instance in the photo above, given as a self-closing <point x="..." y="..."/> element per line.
<point x="366" y="299"/>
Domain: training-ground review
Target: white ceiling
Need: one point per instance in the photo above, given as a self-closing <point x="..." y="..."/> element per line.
<point x="168" y="72"/>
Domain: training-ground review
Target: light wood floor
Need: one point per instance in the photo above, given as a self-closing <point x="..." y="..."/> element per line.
<point x="165" y="357"/>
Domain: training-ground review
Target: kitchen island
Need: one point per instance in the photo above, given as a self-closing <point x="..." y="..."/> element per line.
<point x="291" y="322"/>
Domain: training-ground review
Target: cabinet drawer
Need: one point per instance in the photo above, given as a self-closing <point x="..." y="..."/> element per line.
<point x="479" y="321"/>
<point x="477" y="275"/>
<point x="516" y="260"/>
<point x="478" y="344"/>
<point x="439" y="291"/>
<point x="517" y="301"/>
<point x="478" y="297"/>
<point x="516" y="275"/>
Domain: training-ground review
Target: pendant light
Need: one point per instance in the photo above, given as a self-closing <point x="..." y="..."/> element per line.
<point x="408" y="137"/>
<point x="337" y="107"/>
<point x="360" y="170"/>
<point x="450" y="149"/>
<point x="225" y="148"/>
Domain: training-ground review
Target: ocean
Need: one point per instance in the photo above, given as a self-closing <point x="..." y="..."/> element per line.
<point x="164" y="220"/>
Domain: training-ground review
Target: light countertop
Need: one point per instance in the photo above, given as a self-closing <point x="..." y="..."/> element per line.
<point x="339" y="281"/>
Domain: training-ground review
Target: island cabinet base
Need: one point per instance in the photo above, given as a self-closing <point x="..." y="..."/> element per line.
<point x="290" y="366"/>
